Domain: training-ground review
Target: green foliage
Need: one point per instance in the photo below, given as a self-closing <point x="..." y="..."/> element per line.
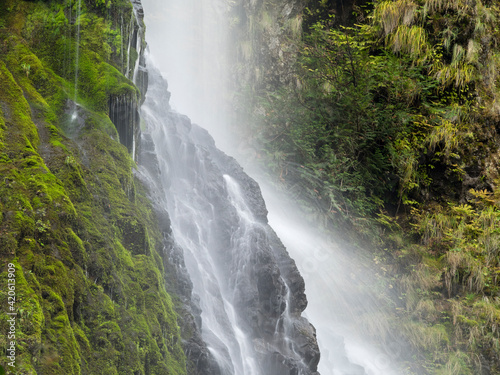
<point x="383" y="130"/>
<point x="454" y="285"/>
<point x="378" y="107"/>
<point x="341" y="130"/>
<point x="26" y="68"/>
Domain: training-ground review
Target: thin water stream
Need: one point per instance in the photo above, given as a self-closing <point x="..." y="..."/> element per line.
<point x="77" y="56"/>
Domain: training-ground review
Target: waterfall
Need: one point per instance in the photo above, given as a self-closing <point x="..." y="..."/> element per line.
<point x="138" y="36"/>
<point x="248" y="289"/>
<point x="189" y="40"/>
<point x="340" y="287"/>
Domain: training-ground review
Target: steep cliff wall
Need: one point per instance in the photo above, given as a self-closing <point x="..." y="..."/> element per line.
<point x="264" y="42"/>
<point x="88" y="253"/>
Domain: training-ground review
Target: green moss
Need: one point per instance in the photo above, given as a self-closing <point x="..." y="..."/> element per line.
<point x="17" y="114"/>
<point x="30" y="318"/>
<point x="93" y="299"/>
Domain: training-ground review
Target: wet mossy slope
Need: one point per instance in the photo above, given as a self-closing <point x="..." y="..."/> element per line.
<point x="91" y="295"/>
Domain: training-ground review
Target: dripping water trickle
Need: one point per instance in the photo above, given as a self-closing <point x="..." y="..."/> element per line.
<point x="74" y="115"/>
<point x="130" y="37"/>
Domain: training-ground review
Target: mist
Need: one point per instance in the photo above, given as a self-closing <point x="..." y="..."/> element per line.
<point x="188" y="42"/>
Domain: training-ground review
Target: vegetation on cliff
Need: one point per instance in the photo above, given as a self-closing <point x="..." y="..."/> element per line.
<point x="388" y="126"/>
<point x="90" y="286"/>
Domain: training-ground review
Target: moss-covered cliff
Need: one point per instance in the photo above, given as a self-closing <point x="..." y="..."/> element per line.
<point x="90" y="288"/>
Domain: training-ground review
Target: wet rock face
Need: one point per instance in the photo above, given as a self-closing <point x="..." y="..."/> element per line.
<point x="256" y="274"/>
<point x="260" y="279"/>
<point x="124" y="113"/>
<point x="266" y="26"/>
<point x="267" y="288"/>
<point x="273" y="29"/>
<point x="124" y="109"/>
<point x="141" y="78"/>
<point x="199" y="359"/>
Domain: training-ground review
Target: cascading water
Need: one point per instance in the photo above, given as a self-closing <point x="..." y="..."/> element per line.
<point x="138" y="46"/>
<point x="336" y="307"/>
<point x="135" y="38"/>
<point x="341" y="293"/>
<point x="189" y="39"/>
<point x="249" y="290"/>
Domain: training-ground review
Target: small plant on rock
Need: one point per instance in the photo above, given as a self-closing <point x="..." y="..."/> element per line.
<point x="26" y="68"/>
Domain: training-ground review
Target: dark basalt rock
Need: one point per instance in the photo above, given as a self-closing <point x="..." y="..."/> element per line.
<point x="304" y="339"/>
<point x="261" y="289"/>
<point x="147" y="156"/>
<point x="124" y="113"/>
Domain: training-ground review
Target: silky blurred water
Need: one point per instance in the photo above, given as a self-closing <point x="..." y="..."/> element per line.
<point x="187" y="41"/>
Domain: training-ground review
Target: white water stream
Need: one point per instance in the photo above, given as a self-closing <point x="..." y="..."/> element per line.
<point x="78" y="4"/>
<point x="187" y="42"/>
<point x="230" y="252"/>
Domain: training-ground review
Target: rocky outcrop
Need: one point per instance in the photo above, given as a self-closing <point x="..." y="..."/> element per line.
<point x="212" y="201"/>
<point x="280" y="289"/>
